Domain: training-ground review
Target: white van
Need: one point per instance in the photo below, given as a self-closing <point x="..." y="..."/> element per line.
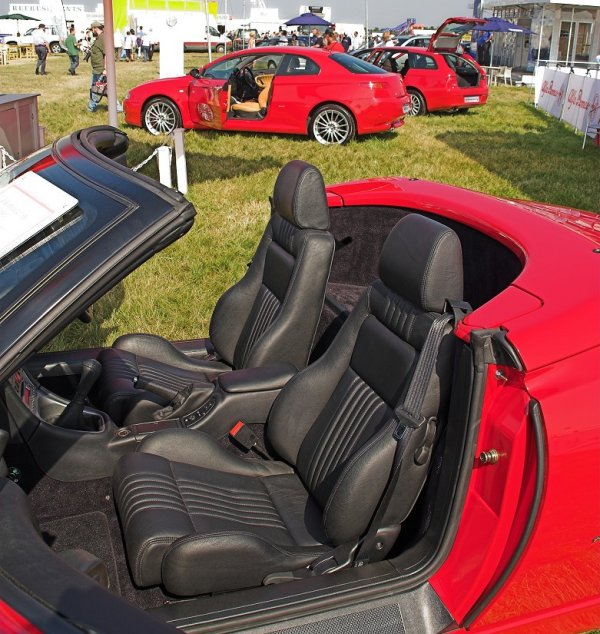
<point x="189" y="26"/>
<point x="27" y="38"/>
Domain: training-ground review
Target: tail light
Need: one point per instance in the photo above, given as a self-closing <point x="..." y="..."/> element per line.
<point x="378" y="88"/>
<point x="451" y="81"/>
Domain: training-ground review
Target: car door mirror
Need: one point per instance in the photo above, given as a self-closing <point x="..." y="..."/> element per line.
<point x="196" y="73"/>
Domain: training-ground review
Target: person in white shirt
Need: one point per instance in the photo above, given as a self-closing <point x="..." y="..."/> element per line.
<point x="118" y="41"/>
<point x="357" y="41"/>
<point x="388" y="40"/>
<point x="40" y="42"/>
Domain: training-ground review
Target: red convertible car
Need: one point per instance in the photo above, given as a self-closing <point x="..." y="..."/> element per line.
<point x="331" y="97"/>
<point x="393" y="425"/>
<point x="438" y="77"/>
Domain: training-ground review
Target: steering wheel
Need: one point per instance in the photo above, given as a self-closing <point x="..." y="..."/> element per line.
<point x="248" y="77"/>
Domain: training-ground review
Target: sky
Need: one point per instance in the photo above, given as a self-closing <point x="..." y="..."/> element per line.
<point x="381" y="12"/>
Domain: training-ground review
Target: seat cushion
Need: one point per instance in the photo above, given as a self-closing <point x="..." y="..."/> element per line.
<point x="197" y="530"/>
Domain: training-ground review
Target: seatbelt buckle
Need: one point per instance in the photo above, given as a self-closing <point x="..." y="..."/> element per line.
<point x="243" y="436"/>
<point x="406" y="419"/>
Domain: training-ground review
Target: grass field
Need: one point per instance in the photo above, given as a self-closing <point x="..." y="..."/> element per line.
<point x="507" y="148"/>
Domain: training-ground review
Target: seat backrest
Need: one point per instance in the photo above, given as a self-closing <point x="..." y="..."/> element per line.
<point x="340" y="440"/>
<point x="271" y="314"/>
<point x="265" y="82"/>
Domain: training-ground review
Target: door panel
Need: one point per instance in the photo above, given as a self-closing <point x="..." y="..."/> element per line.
<point x="208" y="102"/>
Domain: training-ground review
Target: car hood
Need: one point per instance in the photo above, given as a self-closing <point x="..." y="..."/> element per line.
<point x="447" y="38"/>
<point x="118" y="219"/>
<point x="169" y="83"/>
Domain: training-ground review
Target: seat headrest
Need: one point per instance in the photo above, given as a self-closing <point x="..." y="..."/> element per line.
<point x="299" y="196"/>
<point x="421" y="260"/>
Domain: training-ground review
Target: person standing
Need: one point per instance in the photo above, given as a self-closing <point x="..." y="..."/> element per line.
<point x="315" y="40"/>
<point x="331" y="43"/>
<point x="40" y="42"/>
<point x="252" y="39"/>
<point x="97" y="59"/>
<point x="118" y="42"/>
<point x="72" y="50"/>
<point x="388" y="39"/>
<point x="128" y="43"/>
<point x="146" y="47"/>
<point x="357" y="41"/>
<point x="346" y="42"/>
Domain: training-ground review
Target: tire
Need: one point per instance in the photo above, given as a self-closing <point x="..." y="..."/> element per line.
<point x="332" y="125"/>
<point x="417" y="103"/>
<point x="55" y="47"/>
<point x="220" y="48"/>
<point x="161" y="116"/>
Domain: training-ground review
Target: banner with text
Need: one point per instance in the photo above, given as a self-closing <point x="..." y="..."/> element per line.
<point x="572" y="98"/>
<point x="554" y="89"/>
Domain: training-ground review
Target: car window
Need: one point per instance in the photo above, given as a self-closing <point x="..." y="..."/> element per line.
<point x="423" y="62"/>
<point x="300" y="65"/>
<point x="223" y="69"/>
<point x="394" y="62"/>
<point x="356" y="65"/>
<point x="269" y="62"/>
<point x="363" y="54"/>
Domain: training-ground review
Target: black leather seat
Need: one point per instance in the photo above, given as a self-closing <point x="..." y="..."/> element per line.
<point x="198" y="518"/>
<point x="269" y="316"/>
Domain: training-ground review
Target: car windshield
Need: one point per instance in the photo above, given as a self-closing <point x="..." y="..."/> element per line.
<point x="224" y="69"/>
<point x="356" y="65"/>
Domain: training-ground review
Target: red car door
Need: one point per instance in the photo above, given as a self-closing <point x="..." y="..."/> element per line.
<point x="208" y="102"/>
<point x="300" y="84"/>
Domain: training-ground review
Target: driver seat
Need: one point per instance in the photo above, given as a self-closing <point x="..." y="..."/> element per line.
<point x="269" y="316"/>
<point x="264" y="82"/>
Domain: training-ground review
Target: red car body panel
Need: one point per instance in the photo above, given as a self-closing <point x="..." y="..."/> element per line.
<point x="439" y="86"/>
<point x="176" y="89"/>
<point x="555" y="586"/>
<point x="376" y="101"/>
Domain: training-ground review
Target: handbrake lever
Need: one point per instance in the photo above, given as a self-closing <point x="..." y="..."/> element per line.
<point x="190" y="394"/>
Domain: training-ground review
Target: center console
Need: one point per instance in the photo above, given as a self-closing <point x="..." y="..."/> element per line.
<point x="71" y="440"/>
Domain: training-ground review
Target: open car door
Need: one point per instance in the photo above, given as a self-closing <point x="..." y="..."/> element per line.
<point x="208" y="102"/>
<point x="447" y="38"/>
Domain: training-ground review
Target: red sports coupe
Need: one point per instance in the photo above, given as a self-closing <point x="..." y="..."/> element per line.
<point x="292" y="90"/>
<point x="418" y="368"/>
<point x="439" y="77"/>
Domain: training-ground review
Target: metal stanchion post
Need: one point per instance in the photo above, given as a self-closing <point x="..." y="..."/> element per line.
<point x="180" y="163"/>
<point x="164" y="165"/>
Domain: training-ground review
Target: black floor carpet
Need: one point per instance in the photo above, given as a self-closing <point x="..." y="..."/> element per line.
<point x="82" y="515"/>
<point x="88" y="531"/>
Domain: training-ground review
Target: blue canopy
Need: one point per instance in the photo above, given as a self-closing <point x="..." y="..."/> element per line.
<point x="308" y="19"/>
<point x="498" y="25"/>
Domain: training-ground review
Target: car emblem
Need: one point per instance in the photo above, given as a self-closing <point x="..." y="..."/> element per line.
<point x="206" y="114"/>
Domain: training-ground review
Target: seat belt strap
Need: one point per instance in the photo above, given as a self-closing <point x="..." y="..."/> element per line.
<point x="408" y="417"/>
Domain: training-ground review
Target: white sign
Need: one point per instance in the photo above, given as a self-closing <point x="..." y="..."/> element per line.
<point x="27" y="205"/>
<point x="576" y="103"/>
<point x="553" y="92"/>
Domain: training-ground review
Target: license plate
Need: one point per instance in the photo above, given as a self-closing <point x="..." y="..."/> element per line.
<point x="471" y="99"/>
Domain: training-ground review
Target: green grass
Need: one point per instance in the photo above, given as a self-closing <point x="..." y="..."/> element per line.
<point x="507" y="148"/>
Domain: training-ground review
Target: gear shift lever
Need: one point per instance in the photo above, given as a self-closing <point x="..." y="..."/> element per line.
<point x="71" y="417"/>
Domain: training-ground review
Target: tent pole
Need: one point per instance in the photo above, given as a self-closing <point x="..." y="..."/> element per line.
<point x="540" y="38"/>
